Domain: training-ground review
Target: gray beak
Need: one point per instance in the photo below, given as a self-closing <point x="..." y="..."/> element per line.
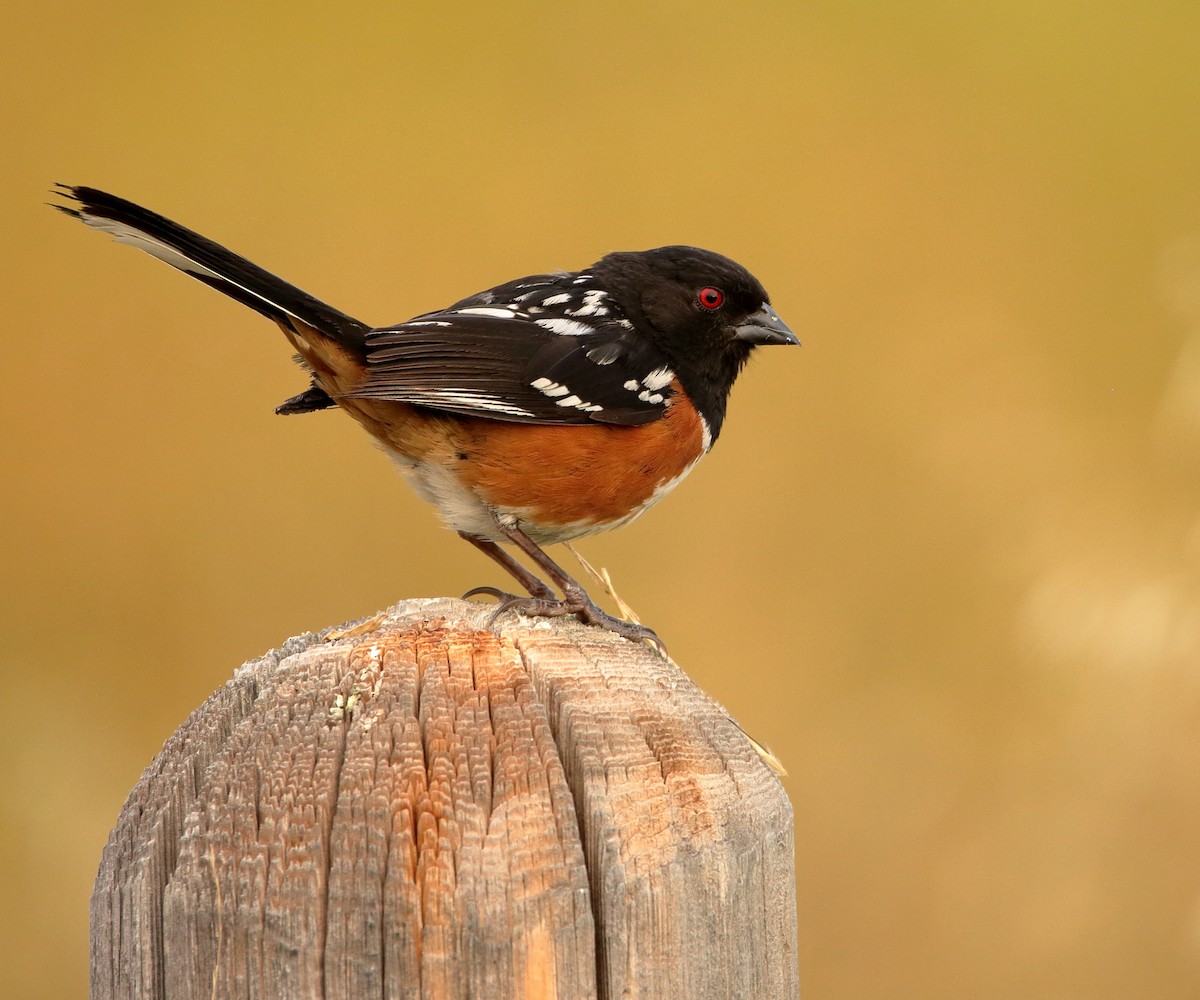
<point x="764" y="327"/>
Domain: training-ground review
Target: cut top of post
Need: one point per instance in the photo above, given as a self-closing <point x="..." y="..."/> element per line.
<point x="417" y="807"/>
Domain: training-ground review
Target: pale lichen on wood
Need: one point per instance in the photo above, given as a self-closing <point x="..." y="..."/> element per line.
<point x="417" y="808"/>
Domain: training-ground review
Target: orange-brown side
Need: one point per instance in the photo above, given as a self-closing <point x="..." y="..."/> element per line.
<point x="582" y="473"/>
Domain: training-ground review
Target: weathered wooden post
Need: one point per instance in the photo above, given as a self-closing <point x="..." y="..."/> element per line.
<point x="417" y="808"/>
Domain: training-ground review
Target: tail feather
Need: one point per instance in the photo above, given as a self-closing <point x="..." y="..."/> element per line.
<point x="211" y="263"/>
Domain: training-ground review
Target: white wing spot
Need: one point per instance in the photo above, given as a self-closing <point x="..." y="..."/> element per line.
<point x="632" y="385"/>
<point x="494" y="313"/>
<point x="646" y="396"/>
<point x="470" y="399"/>
<point x="566" y="327"/>
<point x="556" y="299"/>
<point x="579" y="404"/>
<point x="548" y="387"/>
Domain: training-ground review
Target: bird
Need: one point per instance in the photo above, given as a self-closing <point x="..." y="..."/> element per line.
<point x="544" y="409"/>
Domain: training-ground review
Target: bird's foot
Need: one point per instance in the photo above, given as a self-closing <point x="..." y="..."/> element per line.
<point x="579" y="605"/>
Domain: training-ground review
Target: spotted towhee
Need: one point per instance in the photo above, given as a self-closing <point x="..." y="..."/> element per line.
<point x="538" y="411"/>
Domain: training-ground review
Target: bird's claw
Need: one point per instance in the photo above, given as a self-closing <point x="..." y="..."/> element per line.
<point x="581" y="607"/>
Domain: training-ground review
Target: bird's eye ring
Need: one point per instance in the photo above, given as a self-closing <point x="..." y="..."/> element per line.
<point x="711" y="298"/>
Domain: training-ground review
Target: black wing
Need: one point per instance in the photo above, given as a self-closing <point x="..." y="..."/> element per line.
<point x="550" y="349"/>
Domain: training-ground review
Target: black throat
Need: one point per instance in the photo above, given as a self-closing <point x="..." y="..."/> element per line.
<point x="707" y="378"/>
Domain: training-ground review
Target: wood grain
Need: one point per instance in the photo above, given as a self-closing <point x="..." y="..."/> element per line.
<point x="428" y="810"/>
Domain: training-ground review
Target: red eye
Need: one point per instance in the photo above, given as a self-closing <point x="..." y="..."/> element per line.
<point x="711" y="298"/>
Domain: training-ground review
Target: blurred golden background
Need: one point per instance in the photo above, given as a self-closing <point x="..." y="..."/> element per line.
<point x="944" y="559"/>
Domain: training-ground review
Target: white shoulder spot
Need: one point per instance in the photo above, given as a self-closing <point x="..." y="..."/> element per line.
<point x="644" y="394"/>
<point x="558" y="299"/>
<point x="660" y="378"/>
<point x="593" y="304"/>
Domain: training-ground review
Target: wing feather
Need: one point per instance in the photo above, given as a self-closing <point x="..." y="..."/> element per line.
<point x="497" y="362"/>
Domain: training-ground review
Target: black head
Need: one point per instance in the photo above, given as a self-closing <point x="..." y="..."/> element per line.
<point x="705" y="311"/>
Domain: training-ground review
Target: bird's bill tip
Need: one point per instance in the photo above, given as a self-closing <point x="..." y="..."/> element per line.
<point x="765" y="327"/>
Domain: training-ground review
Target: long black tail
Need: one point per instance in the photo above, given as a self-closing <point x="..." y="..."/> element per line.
<point x="209" y="262"/>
